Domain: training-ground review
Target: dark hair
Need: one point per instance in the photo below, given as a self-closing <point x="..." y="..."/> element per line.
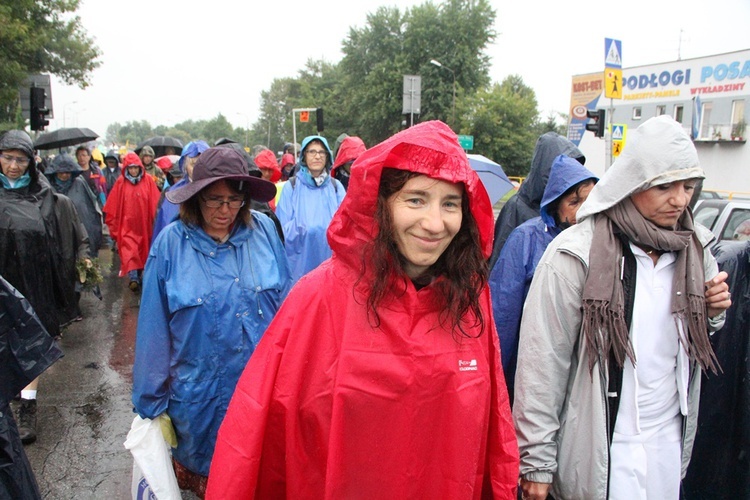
<point x="83" y="148"/>
<point x="190" y="210"/>
<point x="555" y="204"/>
<point x="462" y="265"/>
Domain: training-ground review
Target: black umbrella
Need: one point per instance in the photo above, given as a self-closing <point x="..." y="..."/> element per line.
<point x="63" y="137"/>
<point x="160" y="145"/>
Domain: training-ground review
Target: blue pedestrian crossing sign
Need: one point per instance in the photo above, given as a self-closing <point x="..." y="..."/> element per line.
<point x="618" y="131"/>
<point x="612" y="53"/>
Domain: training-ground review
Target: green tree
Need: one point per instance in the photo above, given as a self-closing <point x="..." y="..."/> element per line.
<point x="40" y="36"/>
<point x="503" y="119"/>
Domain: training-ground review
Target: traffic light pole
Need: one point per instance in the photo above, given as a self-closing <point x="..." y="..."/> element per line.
<point x="294" y="126"/>
<point x="608" y="136"/>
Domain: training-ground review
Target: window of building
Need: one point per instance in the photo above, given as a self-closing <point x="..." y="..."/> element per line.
<point x="637" y="113"/>
<point x="661" y="110"/>
<point x="678" y="112"/>
<point x="738" y="119"/>
<point x="707" y="129"/>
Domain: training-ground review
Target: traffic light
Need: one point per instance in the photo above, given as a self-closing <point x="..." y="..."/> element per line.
<point x="597" y="125"/>
<point x="319" y="119"/>
<point x="38" y="113"/>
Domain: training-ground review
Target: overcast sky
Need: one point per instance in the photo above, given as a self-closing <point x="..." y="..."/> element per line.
<point x="167" y="61"/>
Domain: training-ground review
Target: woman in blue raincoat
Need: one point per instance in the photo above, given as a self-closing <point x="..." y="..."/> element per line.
<point x="212" y="284"/>
<point x="306" y="207"/>
<point x="568" y="186"/>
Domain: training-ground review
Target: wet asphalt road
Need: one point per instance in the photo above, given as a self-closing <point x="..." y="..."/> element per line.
<point x="84" y="409"/>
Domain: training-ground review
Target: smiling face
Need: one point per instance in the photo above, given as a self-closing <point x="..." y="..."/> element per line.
<point x="664" y="204"/>
<point x="218" y="221"/>
<point x="315" y="157"/>
<point x="426" y="215"/>
<point x="63" y="176"/>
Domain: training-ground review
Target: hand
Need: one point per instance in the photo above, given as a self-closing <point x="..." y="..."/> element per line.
<point x="717" y="295"/>
<point x="534" y="491"/>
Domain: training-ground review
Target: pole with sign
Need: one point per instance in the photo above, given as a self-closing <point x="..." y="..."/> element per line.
<point x="612" y="89"/>
<point x="304" y="116"/>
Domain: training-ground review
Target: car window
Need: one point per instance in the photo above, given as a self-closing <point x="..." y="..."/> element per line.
<point x="736" y="217"/>
<point x="706" y="215"/>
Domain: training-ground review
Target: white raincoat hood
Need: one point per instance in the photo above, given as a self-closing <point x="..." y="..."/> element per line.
<point x="657" y="152"/>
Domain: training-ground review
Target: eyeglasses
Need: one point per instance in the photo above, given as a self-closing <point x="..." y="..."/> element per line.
<point x="314" y="152"/>
<point x="21" y="161"/>
<point x="217" y="203"/>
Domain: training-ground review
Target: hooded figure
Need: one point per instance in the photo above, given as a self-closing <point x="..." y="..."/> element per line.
<point x="306" y="207"/>
<point x="213" y="282"/>
<point x="40" y="236"/>
<point x="350" y="149"/>
<point x="287" y="166"/>
<point x="26" y="350"/>
<point x="720" y="465"/>
<point x="610" y="357"/>
<point x="130" y="212"/>
<point x="266" y="162"/>
<point x="526" y="203"/>
<point x="350" y="396"/>
<point x="511" y="277"/>
<point x="168" y="211"/>
<point x="111" y="169"/>
<point x="64" y="175"/>
<point x="150" y="166"/>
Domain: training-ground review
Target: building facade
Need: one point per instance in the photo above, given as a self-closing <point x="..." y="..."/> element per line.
<point x="707" y="95"/>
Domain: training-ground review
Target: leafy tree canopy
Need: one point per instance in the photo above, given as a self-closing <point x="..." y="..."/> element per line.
<point x="41" y="36"/>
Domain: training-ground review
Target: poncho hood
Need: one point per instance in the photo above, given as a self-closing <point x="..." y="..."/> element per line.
<point x="657" y="152"/>
<point x="191" y="150"/>
<point x="20" y="140"/>
<point x="267" y="160"/>
<point x="351" y="148"/>
<point x="430" y="148"/>
<point x="548" y="147"/>
<point x="564" y="174"/>
<point x="63" y="163"/>
<point x="307" y="140"/>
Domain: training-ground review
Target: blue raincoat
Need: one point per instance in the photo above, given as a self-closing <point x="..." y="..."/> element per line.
<point x="168" y="211"/>
<point x="204" y="309"/>
<point x="305" y="210"/>
<point x="511" y="276"/>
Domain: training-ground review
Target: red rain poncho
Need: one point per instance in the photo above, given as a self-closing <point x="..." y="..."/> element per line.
<point x="330" y="407"/>
<point x="129" y="214"/>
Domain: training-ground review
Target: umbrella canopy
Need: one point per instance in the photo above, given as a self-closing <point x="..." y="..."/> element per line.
<point x="63" y="137"/>
<point x="492" y="176"/>
<point x="161" y="145"/>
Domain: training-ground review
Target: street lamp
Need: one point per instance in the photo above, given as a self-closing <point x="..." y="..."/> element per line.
<point x="247" y="128"/>
<point x="65" y="107"/>
<point x="440" y="65"/>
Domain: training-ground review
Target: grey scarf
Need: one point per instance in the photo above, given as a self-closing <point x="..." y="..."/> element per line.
<point x="604" y="325"/>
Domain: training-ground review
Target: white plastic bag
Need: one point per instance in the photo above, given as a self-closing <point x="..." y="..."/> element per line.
<point x="153" y="474"/>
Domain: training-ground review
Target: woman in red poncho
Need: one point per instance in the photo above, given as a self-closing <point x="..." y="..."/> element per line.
<point x="129" y="214"/>
<point x="380" y="376"/>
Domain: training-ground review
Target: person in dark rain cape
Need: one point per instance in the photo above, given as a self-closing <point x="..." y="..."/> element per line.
<point x="720" y="466"/>
<point x="26" y="350"/>
<point x="380" y="375"/>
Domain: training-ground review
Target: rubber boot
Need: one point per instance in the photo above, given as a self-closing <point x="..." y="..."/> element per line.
<point x="27" y="420"/>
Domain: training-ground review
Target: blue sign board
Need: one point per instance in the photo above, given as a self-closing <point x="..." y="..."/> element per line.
<point x="612" y="53"/>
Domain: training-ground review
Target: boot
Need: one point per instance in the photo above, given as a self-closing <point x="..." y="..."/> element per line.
<point x="27" y="420"/>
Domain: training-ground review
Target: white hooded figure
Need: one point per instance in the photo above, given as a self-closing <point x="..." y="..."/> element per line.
<point x="608" y="375"/>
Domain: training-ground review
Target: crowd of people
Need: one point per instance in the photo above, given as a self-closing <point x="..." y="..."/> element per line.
<point x="338" y="323"/>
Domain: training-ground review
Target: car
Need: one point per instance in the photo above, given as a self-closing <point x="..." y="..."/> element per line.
<point x="724" y="218"/>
